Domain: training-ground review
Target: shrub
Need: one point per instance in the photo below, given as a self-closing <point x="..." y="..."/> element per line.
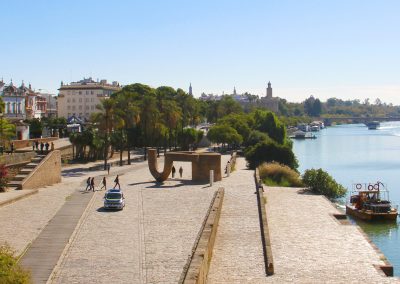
<point x="10" y="271"/>
<point x="3" y="177"/>
<point x="321" y="182"/>
<point x="269" y="151"/>
<point x="278" y="174"/>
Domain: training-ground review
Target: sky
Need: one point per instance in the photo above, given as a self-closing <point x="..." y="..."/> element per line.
<point x="348" y="49"/>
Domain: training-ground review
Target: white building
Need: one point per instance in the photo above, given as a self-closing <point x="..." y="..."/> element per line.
<point x="80" y="98"/>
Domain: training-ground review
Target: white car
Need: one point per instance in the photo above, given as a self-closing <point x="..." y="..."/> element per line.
<point x="114" y="199"/>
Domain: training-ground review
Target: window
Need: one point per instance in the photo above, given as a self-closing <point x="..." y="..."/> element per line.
<point x="87" y="107"/>
<point x="80" y="92"/>
<point x="92" y="107"/>
<point x="69" y="107"/>
<point x="92" y="99"/>
<point x="91" y="92"/>
<point x="87" y="92"/>
<point x="68" y="100"/>
<point x="73" y="100"/>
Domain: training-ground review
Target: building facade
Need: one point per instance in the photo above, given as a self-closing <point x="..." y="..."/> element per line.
<point x="80" y="98"/>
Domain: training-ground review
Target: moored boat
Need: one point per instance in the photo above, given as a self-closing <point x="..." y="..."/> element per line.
<point x="372" y="125"/>
<point x="370" y="202"/>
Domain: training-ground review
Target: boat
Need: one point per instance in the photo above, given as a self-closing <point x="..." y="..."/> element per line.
<point x="372" y="125"/>
<point x="370" y="202"/>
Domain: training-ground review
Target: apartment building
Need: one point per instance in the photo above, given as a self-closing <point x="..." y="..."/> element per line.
<point x="79" y="99"/>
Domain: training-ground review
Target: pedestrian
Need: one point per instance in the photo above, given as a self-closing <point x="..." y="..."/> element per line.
<point x="173" y="171"/>
<point x="117" y="182"/>
<point x="41" y="147"/>
<point x="37" y="145"/>
<point x="33" y="146"/>
<point x="104" y="183"/>
<point x="180" y="171"/>
<point x="12" y="147"/>
<point x="52" y="146"/>
<point x="47" y="145"/>
<point x="92" y="184"/>
<point x="88" y="184"/>
<point x="108" y="168"/>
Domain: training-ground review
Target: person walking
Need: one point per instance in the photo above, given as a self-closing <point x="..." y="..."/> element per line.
<point x="87" y="184"/>
<point x="41" y="147"/>
<point x="52" y="146"/>
<point x="37" y="145"/>
<point x="173" y="171"/>
<point x="47" y="145"/>
<point x="108" y="168"/>
<point x="117" y="182"/>
<point x="180" y="171"/>
<point x="33" y="146"/>
<point x="92" y="184"/>
<point x="12" y="148"/>
<point x="104" y="183"/>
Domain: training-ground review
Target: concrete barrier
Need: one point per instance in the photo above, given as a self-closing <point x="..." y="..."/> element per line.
<point x="265" y="238"/>
<point x="196" y="270"/>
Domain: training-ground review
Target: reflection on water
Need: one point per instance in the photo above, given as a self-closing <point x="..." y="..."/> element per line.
<point x="353" y="154"/>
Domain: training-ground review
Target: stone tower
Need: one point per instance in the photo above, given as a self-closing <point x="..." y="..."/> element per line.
<point x="269" y="90"/>
<point x="190" y="89"/>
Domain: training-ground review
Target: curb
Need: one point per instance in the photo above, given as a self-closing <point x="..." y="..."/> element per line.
<point x="12" y="200"/>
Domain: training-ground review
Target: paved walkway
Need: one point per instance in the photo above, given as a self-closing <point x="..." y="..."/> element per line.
<point x="238" y="254"/>
<point x="147" y="242"/>
<point x="42" y="256"/>
<point x="310" y="246"/>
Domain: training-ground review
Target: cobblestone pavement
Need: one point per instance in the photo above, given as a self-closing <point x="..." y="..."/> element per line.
<point x="310" y="246"/>
<point x="238" y="254"/>
<point x="147" y="242"/>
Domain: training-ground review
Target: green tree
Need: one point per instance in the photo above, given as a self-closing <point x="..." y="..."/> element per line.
<point x="266" y="121"/>
<point x="321" y="182"/>
<point x="270" y="151"/>
<point x="35" y="128"/>
<point x="224" y="134"/>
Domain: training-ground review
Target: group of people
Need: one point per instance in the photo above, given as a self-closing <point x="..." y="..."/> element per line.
<point x="180" y="171"/>
<point x="43" y="146"/>
<point x="90" y="183"/>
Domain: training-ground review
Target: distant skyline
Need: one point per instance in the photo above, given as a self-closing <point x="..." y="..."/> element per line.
<point x="345" y="48"/>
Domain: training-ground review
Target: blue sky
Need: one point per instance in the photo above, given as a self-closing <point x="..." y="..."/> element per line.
<point x="344" y="48"/>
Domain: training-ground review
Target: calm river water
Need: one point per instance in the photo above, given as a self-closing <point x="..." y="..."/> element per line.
<point x="353" y="154"/>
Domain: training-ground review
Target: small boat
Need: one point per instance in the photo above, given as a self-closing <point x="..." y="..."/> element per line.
<point x="372" y="125"/>
<point x="370" y="202"/>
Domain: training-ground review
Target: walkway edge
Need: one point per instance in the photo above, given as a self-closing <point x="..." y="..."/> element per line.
<point x="71" y="240"/>
<point x="12" y="200"/>
<point x="199" y="262"/>
<point x="265" y="237"/>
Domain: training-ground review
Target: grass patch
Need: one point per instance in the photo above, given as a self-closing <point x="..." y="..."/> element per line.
<point x="275" y="174"/>
<point x="10" y="271"/>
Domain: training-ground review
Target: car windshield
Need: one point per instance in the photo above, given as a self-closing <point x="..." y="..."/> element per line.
<point x="113" y="195"/>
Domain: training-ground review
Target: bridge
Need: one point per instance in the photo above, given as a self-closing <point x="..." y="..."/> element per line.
<point x="329" y="120"/>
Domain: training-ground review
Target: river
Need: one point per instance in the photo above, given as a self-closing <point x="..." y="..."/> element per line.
<point x="353" y="154"/>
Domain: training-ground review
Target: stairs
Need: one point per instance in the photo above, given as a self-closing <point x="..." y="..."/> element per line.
<point x="16" y="182"/>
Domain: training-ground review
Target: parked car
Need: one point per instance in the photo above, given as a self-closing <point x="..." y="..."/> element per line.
<point x="114" y="199"/>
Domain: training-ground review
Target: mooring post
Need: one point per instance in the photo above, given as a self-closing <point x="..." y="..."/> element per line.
<point x="211" y="177"/>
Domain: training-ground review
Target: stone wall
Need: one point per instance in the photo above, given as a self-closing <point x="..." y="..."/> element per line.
<point x="28" y="143"/>
<point x="47" y="172"/>
<point x="17" y="158"/>
<point x="199" y="265"/>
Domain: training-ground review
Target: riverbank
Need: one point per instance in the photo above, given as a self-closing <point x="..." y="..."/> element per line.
<point x="310" y="245"/>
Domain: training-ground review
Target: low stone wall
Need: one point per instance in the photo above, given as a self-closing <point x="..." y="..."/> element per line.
<point x="47" y="172"/>
<point x="17" y="158"/>
<point x="265" y="238"/>
<point x="28" y="143"/>
<point x="197" y="269"/>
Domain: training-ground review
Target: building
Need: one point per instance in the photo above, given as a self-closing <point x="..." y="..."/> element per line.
<point x="269" y="102"/>
<point x="80" y="98"/>
<point x="14" y="101"/>
<point x="51" y="104"/>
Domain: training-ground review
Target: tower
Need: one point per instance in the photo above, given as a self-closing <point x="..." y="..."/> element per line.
<point x="234" y="91"/>
<point x="269" y="90"/>
<point x="190" y="89"/>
